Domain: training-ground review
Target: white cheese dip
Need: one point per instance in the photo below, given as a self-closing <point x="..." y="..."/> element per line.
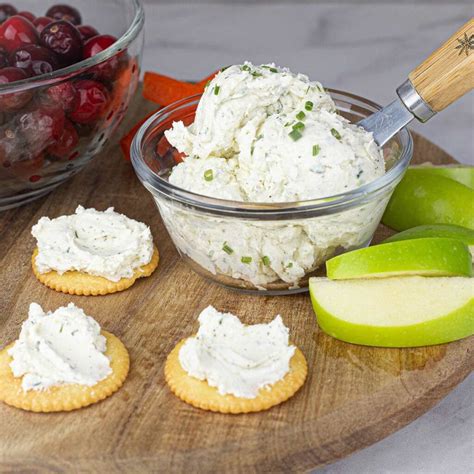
<point x="60" y="347"/>
<point x="235" y="358"/>
<point x="264" y="134"/>
<point x="106" y="244"/>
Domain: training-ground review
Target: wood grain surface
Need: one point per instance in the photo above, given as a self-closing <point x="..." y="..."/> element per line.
<point x="353" y="397"/>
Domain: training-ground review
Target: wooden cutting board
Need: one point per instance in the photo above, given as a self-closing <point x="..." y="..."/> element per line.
<point x="353" y="397"/>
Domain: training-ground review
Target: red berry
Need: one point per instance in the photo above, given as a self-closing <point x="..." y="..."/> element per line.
<point x="6" y="11"/>
<point x="69" y="139"/>
<point x="93" y="100"/>
<point x="65" y="12"/>
<point x="64" y="39"/>
<point x="27" y="15"/>
<point x="17" y="31"/>
<point x="87" y="32"/>
<point x="63" y="95"/>
<point x="41" y="22"/>
<point x="97" y="44"/>
<point x="107" y="70"/>
<point x="3" y="59"/>
<point x="41" y="127"/>
<point x="14" y="100"/>
<point x="34" y="60"/>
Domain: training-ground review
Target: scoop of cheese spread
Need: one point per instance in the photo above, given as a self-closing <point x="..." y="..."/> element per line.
<point x="106" y="244"/>
<point x="264" y="134"/>
<point x="60" y="347"/>
<point x="235" y="358"/>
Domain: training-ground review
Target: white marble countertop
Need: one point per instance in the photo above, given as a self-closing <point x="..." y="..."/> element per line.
<point x="367" y="49"/>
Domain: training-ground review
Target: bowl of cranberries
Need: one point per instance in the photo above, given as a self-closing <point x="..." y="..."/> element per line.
<point x="67" y="74"/>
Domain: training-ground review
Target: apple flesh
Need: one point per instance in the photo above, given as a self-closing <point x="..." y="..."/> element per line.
<point x="395" y="312"/>
<point x="436" y="230"/>
<point x="428" y="257"/>
<point x="423" y="198"/>
<point x="461" y="173"/>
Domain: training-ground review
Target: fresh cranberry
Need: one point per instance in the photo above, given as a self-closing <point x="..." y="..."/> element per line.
<point x="63" y="95"/>
<point x="108" y="69"/>
<point x="87" y="32"/>
<point x="6" y="11"/>
<point x="64" y="39"/>
<point x="3" y="59"/>
<point x="41" y="22"/>
<point x="41" y="127"/>
<point x="93" y="100"/>
<point x="69" y="139"/>
<point x="17" y="31"/>
<point x="15" y="100"/>
<point x="34" y="60"/>
<point x="27" y="15"/>
<point x="65" y="12"/>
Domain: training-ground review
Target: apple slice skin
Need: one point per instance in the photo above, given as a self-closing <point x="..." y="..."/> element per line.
<point x="429" y="258"/>
<point x="451" y="327"/>
<point x="461" y="174"/>
<point x="429" y="199"/>
<point x="457" y="324"/>
<point x="436" y="230"/>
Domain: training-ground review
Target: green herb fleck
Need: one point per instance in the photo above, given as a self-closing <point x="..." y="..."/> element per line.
<point x="316" y="150"/>
<point x="271" y="69"/>
<point x="256" y="74"/>
<point x="224" y="68"/>
<point x="246" y="260"/>
<point x="245" y="67"/>
<point x="301" y="115"/>
<point x="208" y="175"/>
<point x="308" y="105"/>
<point x="216" y="90"/>
<point x="335" y="133"/>
<point x="266" y="260"/>
<point x="289" y="265"/>
<point x="227" y="249"/>
<point x="295" y="135"/>
<point x="207" y="84"/>
<point x="298" y="126"/>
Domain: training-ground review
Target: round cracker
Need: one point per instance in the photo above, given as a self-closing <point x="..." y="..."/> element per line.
<point x="80" y="283"/>
<point x="65" y="397"/>
<point x="200" y="394"/>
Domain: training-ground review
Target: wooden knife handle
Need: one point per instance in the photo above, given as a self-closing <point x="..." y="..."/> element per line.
<point x="448" y="73"/>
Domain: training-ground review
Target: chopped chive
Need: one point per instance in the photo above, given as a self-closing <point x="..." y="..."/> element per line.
<point x="295" y="135"/>
<point x="246" y="259"/>
<point x="271" y="69"/>
<point x="335" y="133"/>
<point x="308" y="105"/>
<point x="256" y="74"/>
<point x="224" y="68"/>
<point x="301" y="115"/>
<point x="289" y="265"/>
<point x="227" y="249"/>
<point x="245" y="67"/>
<point x="207" y="84"/>
<point x="316" y="150"/>
<point x="265" y="260"/>
<point x="216" y="90"/>
<point x="298" y="126"/>
<point x="208" y="175"/>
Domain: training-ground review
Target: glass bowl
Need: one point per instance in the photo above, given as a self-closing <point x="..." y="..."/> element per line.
<point x="287" y="242"/>
<point x="42" y="143"/>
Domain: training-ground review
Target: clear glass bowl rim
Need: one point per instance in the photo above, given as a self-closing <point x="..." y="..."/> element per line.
<point x="61" y="74"/>
<point x="266" y="211"/>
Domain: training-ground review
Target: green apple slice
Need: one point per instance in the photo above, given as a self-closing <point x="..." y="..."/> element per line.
<point x="461" y="173"/>
<point x="395" y="312"/>
<point x="428" y="257"/>
<point x="423" y="198"/>
<point x="437" y="230"/>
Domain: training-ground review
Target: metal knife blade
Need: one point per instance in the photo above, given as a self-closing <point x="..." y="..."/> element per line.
<point x="385" y="123"/>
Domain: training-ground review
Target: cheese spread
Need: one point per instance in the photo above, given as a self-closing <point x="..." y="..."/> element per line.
<point x="263" y="134"/>
<point x="101" y="243"/>
<point x="235" y="358"/>
<point x="60" y="347"/>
